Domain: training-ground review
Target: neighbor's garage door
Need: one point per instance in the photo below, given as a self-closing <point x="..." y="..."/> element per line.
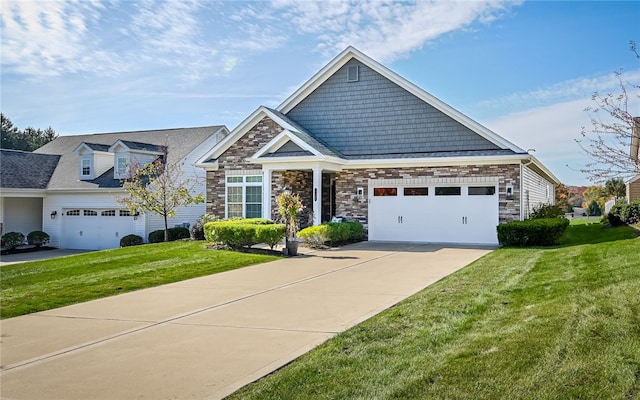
<point x="437" y="214"/>
<point x="95" y="229"/>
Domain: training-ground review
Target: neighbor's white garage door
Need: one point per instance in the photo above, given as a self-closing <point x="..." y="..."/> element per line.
<point x="434" y="213"/>
<point x="95" y="229"/>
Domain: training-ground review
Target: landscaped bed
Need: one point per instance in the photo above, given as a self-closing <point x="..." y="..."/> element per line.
<point x="520" y="323"/>
<point x="43" y="285"/>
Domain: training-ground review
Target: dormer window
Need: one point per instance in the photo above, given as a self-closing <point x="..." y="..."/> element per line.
<point x="122" y="166"/>
<point x="86" y="167"/>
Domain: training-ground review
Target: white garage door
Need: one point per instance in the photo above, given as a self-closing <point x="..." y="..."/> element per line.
<point x="434" y="213"/>
<point x="95" y="229"/>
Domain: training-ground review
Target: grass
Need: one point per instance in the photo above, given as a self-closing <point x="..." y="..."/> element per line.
<point x="543" y="323"/>
<point x="43" y="285"/>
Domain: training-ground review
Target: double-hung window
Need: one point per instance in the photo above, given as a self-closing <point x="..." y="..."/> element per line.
<point x="244" y="196"/>
<point x="86" y="167"/>
<point x="122" y="167"/>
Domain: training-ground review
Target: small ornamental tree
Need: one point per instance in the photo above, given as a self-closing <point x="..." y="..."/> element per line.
<point x="289" y="205"/>
<point x="159" y="188"/>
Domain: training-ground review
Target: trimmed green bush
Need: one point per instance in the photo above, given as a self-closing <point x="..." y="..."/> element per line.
<point x="176" y="233"/>
<point x="270" y="234"/>
<point x="38" y="238"/>
<point x="632" y="213"/>
<point x="621" y="214"/>
<point x="244" y="232"/>
<point x="545" y="211"/>
<point x="315" y="236"/>
<point x="331" y="232"/>
<point x="12" y="240"/>
<point x="130" y="240"/>
<point x="532" y="232"/>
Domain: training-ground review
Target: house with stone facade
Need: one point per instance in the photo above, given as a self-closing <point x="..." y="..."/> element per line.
<point x="361" y="142"/>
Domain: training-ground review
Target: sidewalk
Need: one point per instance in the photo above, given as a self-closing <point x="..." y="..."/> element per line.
<point x="206" y="337"/>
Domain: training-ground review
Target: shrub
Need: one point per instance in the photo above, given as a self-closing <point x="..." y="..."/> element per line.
<point x="616" y="215"/>
<point x="270" y="234"/>
<point x="332" y="232"/>
<point x="38" y="238"/>
<point x="244" y="232"/>
<point x="545" y="211"/>
<point x="632" y="213"/>
<point x="130" y="240"/>
<point x="12" y="239"/>
<point x="315" y="236"/>
<point x="197" y="229"/>
<point x="621" y="214"/>
<point x="532" y="232"/>
<point x="176" y="233"/>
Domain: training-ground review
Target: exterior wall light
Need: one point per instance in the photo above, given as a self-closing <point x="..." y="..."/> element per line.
<point x="53" y="214"/>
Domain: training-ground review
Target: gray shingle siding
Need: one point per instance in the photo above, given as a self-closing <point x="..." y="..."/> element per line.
<point x="23" y="170"/>
<point x="374" y="116"/>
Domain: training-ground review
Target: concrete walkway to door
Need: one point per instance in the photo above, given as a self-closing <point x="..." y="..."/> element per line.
<point x="204" y="338"/>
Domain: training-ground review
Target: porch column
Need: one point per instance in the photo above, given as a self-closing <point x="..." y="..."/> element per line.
<point x="266" y="193"/>
<point x="317" y="196"/>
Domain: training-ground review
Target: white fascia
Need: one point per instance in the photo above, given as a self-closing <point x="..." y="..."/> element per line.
<point x="278" y="141"/>
<point x="9" y="192"/>
<point x="105" y="191"/>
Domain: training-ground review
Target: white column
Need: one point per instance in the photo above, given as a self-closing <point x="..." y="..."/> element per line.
<point x="266" y="193"/>
<point x="317" y="196"/>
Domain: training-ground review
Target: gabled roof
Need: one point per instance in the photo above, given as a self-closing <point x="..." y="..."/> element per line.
<point x="139" y="146"/>
<point x="92" y="147"/>
<point x="292" y="130"/>
<point x="180" y="142"/>
<point x="377" y="124"/>
<point x="24" y="170"/>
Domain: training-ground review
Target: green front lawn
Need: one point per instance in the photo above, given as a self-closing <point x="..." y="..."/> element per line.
<point x="42" y="285"/>
<point x="555" y="323"/>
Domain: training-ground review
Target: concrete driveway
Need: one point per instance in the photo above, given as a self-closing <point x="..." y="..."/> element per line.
<point x="37" y="256"/>
<point x="204" y="338"/>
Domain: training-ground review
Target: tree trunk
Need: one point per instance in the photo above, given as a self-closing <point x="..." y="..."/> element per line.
<point x="166" y="229"/>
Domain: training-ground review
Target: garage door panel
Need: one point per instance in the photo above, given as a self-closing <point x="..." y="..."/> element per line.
<point x="95" y="230"/>
<point x="453" y="216"/>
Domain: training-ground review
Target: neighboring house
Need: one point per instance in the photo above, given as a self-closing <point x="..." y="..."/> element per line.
<point x="361" y="142"/>
<point x="633" y="185"/>
<point x="77" y="179"/>
<point x="23" y="180"/>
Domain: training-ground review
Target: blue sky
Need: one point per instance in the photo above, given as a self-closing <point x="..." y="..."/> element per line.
<point x="526" y="70"/>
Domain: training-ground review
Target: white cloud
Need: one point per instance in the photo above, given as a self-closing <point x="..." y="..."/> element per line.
<point x="49" y="38"/>
<point x="552" y="130"/>
<point x="582" y="87"/>
<point x="386" y="30"/>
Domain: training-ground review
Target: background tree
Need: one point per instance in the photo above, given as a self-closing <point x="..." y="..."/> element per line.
<point x="616" y="188"/>
<point x="595" y="194"/>
<point x="160" y="189"/>
<point x="608" y="139"/>
<point x="562" y="198"/>
<point x="27" y="140"/>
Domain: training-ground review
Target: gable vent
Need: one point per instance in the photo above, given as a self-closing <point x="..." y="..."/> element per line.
<point x="352" y="73"/>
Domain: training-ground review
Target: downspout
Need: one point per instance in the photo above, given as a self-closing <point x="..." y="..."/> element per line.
<point x="522" y="165"/>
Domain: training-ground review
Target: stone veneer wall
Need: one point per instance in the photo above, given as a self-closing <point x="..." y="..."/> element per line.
<point x="234" y="159"/>
<point x="301" y="183"/>
<point x="349" y="205"/>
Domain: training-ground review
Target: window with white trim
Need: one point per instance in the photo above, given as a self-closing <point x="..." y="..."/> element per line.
<point x="244" y="196"/>
<point x="86" y="167"/>
<point x="122" y="167"/>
